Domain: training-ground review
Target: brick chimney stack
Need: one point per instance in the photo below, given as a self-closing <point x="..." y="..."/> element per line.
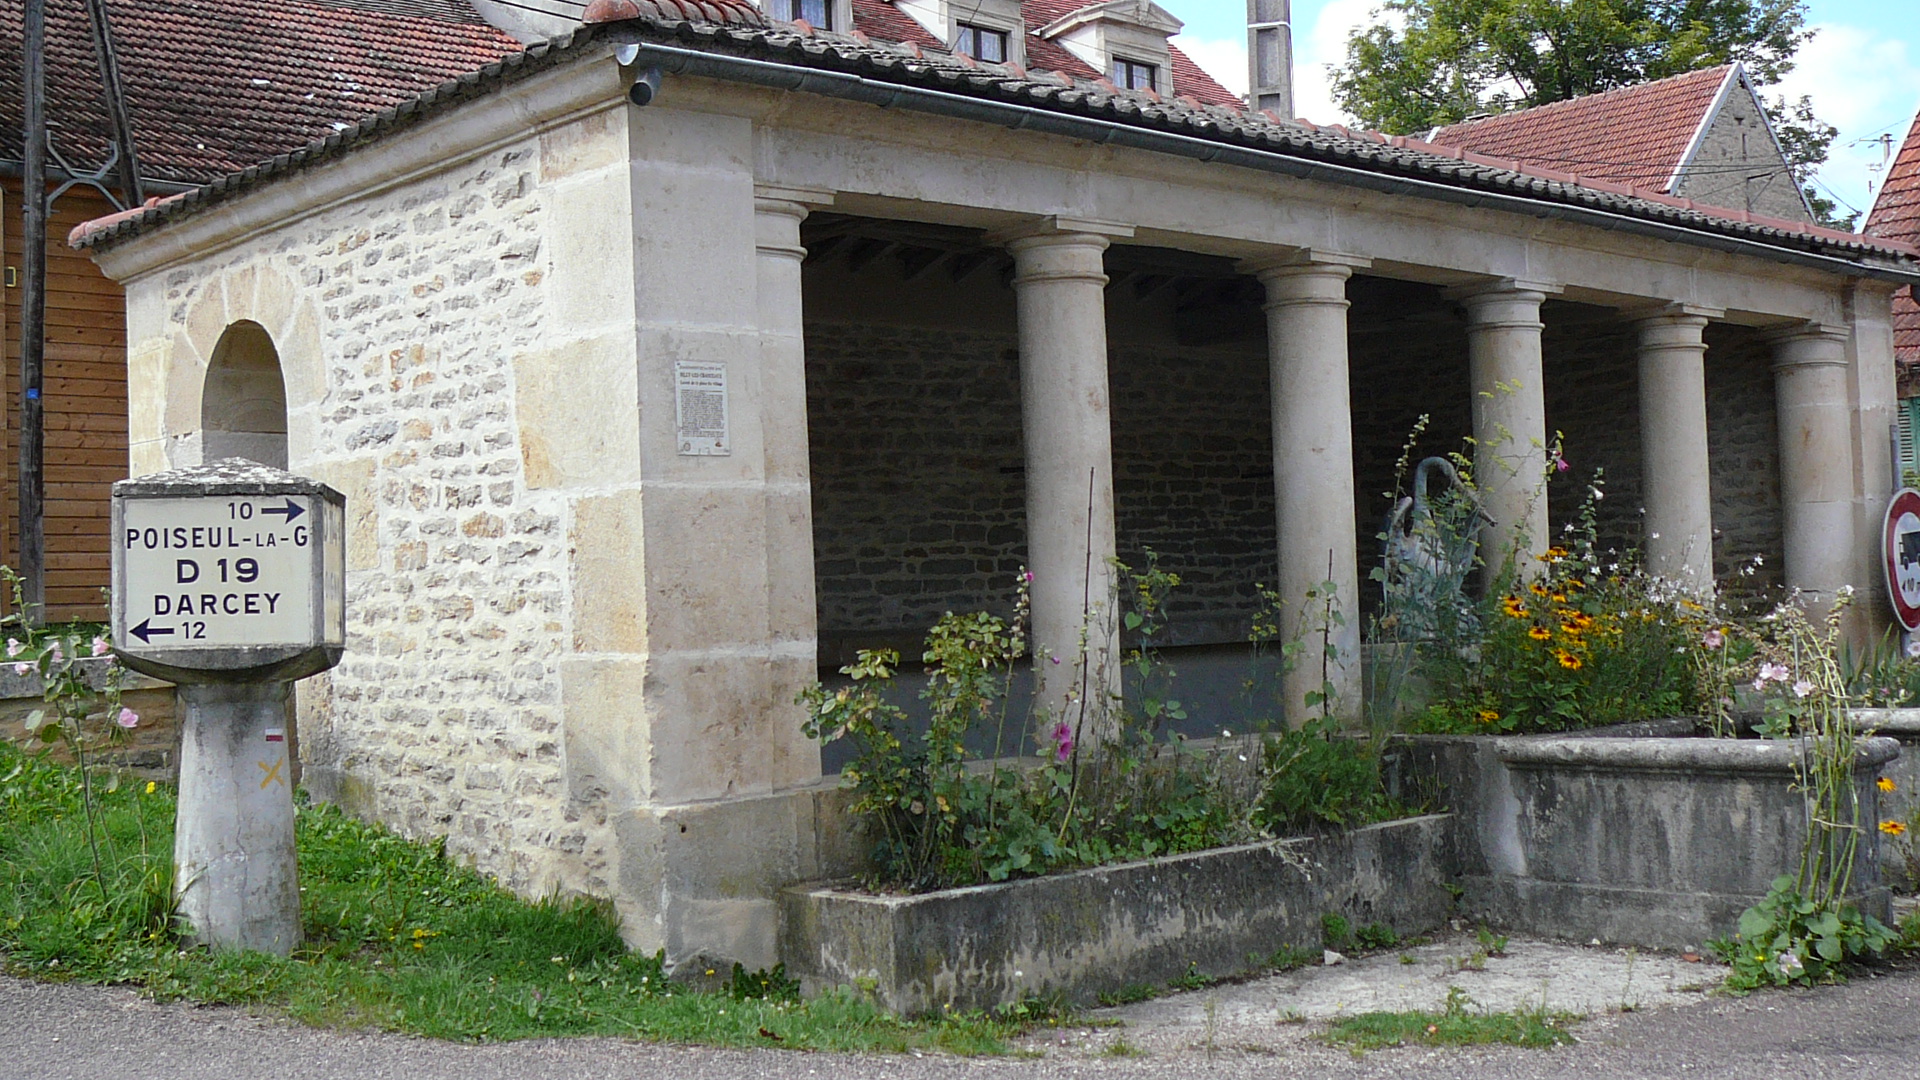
<point x="1270" y="56"/>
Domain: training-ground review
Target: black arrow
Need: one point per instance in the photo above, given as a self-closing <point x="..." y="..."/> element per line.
<point x="291" y="510"/>
<point x="145" y="632"/>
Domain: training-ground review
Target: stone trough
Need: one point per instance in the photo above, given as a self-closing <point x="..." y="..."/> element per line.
<point x="1078" y="934"/>
<point x="1630" y="837"/>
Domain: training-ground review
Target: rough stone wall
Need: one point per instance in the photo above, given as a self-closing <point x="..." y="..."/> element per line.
<point x="444" y="718"/>
<point x="918" y="494"/>
<point x="1738" y="165"/>
<point x="917" y="456"/>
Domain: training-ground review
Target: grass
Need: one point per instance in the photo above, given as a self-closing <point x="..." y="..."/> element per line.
<point x="397" y="937"/>
<point x="1459" y="1024"/>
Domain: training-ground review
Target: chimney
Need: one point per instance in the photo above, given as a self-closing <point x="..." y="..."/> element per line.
<point x="1270" y="56"/>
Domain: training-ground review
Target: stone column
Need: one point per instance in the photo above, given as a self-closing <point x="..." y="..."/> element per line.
<point x="1060" y="284"/>
<point x="1816" y="459"/>
<point x="1674" y="475"/>
<point x="1509" y="418"/>
<point x="1313" y="472"/>
<point x="793" y="633"/>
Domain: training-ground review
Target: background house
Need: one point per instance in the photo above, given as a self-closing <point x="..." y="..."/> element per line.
<point x="1896" y="216"/>
<point x="212" y="87"/>
<point x="1702" y="136"/>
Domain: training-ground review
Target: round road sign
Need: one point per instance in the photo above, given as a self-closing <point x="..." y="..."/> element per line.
<point x="1901" y="553"/>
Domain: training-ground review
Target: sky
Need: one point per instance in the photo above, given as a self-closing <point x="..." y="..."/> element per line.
<point x="1862" y="70"/>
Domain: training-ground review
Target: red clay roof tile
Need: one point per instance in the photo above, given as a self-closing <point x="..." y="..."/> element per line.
<point x="1896" y="216"/>
<point x="214" y="86"/>
<point x="1635" y="135"/>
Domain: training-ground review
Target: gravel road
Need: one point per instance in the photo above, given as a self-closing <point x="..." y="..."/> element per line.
<point x="1869" y="1027"/>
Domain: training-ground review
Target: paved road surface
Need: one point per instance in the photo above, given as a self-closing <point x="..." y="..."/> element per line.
<point x="1869" y="1027"/>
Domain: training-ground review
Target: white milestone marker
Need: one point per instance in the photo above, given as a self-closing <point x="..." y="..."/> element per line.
<point x="212" y="572"/>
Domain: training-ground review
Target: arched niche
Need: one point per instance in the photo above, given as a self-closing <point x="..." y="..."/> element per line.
<point x="243" y="407"/>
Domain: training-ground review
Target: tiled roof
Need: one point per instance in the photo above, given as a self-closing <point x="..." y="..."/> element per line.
<point x="1635" y="135"/>
<point x="1331" y="153"/>
<point x="214" y="86"/>
<point x="1896" y="216"/>
<point x="882" y="21"/>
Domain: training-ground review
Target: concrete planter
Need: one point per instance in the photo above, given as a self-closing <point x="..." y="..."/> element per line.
<point x="1902" y="725"/>
<point x="151" y="752"/>
<point x="1080" y="933"/>
<point x="1647" y="840"/>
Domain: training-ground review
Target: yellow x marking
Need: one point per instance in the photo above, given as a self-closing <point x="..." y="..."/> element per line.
<point x="272" y="771"/>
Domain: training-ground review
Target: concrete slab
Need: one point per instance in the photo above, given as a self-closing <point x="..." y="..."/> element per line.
<point x="1281" y="1011"/>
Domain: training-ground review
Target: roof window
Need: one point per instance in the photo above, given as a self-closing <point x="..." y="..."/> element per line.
<point x="1135" y="75"/>
<point x="981" y="43"/>
<point x="815" y="13"/>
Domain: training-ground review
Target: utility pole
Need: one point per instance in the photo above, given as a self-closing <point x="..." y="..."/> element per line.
<point x="33" y="317"/>
<point x="116" y="101"/>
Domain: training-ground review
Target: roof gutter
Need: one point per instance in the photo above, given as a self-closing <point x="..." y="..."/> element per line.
<point x="889" y="95"/>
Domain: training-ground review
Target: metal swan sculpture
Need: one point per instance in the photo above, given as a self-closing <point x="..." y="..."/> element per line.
<point x="1414" y="540"/>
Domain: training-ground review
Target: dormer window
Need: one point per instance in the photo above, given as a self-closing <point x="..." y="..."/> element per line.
<point x="981" y="43"/>
<point x="816" y="13"/>
<point x="992" y="31"/>
<point x="1134" y="75"/>
<point x="1124" y="39"/>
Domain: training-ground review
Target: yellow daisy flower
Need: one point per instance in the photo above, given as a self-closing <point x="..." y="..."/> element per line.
<point x="1568" y="660"/>
<point x="1885" y="783"/>
<point x="1893" y="828"/>
<point x="1539" y="633"/>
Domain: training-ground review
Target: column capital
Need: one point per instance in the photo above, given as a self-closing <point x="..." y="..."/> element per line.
<point x="1061" y="227"/>
<point x="806" y="198"/>
<point x="1503" y="289"/>
<point x="1807" y="332"/>
<point x="1807" y="345"/>
<point x="1677" y="311"/>
<point x="1303" y="261"/>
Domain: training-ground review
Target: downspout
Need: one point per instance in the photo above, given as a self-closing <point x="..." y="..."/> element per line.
<point x="888" y="95"/>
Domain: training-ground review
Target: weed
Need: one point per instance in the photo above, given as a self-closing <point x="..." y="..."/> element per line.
<point x="1491" y="943"/>
<point x="1289" y="957"/>
<point x="1376" y="936"/>
<point x="1459" y="1024"/>
<point x="1121" y="1048"/>
<point x="1336" y="932"/>
<point x="1126" y="995"/>
<point x="397" y="937"/>
<point x="1192" y="980"/>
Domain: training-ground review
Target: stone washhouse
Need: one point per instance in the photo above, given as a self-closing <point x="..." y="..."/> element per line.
<point x="648" y="415"/>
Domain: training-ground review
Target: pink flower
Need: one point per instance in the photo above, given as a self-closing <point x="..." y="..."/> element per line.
<point x="14" y="647"/>
<point x="128" y="718"/>
<point x="1714" y="639"/>
<point x="1913" y="649"/>
<point x="55" y="654"/>
<point x="1062" y="741"/>
<point x="1802" y="688"/>
<point x="1560" y="464"/>
<point x="100" y="646"/>
<point x="23" y="669"/>
<point x="1771" y="672"/>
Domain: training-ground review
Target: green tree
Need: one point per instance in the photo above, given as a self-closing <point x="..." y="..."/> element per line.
<point x="1427" y="63"/>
